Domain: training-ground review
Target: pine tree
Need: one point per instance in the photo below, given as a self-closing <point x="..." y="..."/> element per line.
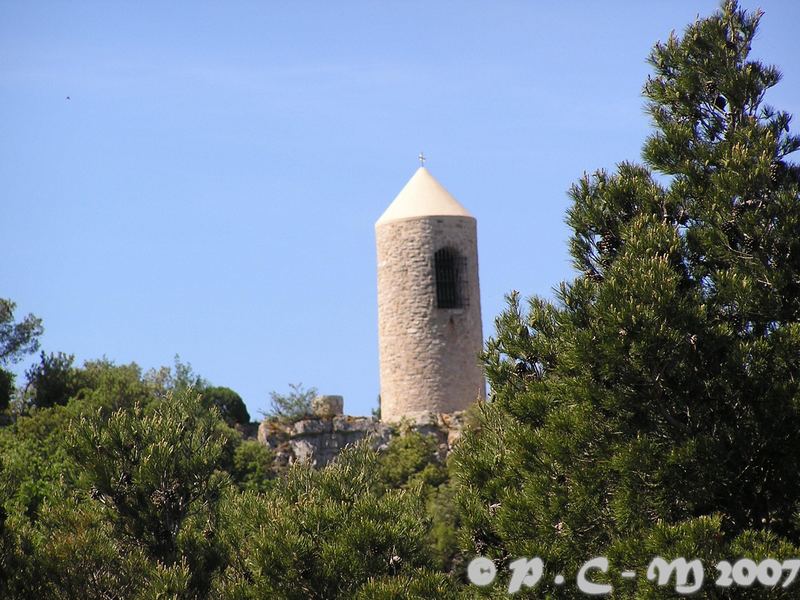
<point x="153" y="473"/>
<point x="653" y="408"/>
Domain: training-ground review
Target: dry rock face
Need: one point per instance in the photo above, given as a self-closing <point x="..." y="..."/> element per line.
<point x="318" y="440"/>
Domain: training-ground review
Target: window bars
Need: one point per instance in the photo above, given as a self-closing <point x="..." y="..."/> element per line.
<point x="451" y="278"/>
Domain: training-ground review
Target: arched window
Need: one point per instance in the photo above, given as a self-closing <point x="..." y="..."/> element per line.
<point x="451" y="270"/>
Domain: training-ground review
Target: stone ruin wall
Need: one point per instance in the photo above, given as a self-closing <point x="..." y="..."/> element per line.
<point x="319" y="438"/>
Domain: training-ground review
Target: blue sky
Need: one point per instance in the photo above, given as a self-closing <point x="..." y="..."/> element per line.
<point x="211" y="187"/>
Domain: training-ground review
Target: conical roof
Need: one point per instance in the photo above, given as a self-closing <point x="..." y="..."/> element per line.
<point x="423" y="196"/>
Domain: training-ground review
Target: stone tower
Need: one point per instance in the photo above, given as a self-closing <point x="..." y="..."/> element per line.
<point x="429" y="307"/>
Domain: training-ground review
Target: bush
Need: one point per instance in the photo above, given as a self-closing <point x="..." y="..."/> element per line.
<point x="230" y="405"/>
<point x="53" y="381"/>
<point x="292" y="406"/>
<point x="252" y="466"/>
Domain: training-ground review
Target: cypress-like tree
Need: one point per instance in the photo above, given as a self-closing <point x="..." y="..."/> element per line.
<point x="653" y="408"/>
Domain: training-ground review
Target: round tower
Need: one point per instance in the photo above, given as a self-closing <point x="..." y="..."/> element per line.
<point x="429" y="307"/>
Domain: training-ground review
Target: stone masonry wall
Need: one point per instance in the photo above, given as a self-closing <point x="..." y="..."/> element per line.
<point x="428" y="356"/>
<point x="318" y="440"/>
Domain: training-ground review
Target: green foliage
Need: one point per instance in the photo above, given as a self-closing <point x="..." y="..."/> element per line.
<point x="152" y="472"/>
<point x="135" y="488"/>
<point x="421" y="584"/>
<point x="324" y="533"/>
<point x="442" y="509"/>
<point x="52" y="381"/>
<point x="73" y="554"/>
<point x="56" y="544"/>
<point x="704" y="538"/>
<point x="252" y="466"/>
<point x="17" y="339"/>
<point x="182" y="376"/>
<point x="657" y="397"/>
<point x="6" y="388"/>
<point x="376" y="412"/>
<point x="230" y="405"/>
<point x="36" y="464"/>
<point x="409" y="459"/>
<point x="103" y="384"/>
<point x="34" y="449"/>
<point x="169" y="581"/>
<point x="292" y="406"/>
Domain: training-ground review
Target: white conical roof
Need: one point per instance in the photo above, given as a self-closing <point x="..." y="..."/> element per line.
<point x="423" y="196"/>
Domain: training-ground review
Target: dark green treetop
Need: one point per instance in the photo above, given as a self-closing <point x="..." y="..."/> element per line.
<point x="230" y="405"/>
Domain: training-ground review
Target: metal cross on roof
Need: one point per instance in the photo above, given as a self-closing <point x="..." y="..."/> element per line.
<point x="421" y="159"/>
